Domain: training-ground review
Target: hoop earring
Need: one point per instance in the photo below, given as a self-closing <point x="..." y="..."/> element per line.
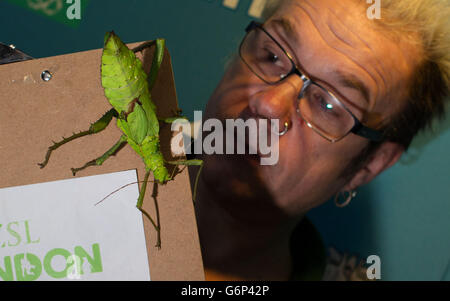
<point x="350" y="196"/>
<point x="286" y="129"/>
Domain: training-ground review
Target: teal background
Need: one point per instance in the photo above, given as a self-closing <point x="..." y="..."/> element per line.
<point x="54" y="9"/>
<point x="402" y="216"/>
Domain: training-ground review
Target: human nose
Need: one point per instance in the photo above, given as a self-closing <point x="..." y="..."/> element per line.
<point x="277" y="101"/>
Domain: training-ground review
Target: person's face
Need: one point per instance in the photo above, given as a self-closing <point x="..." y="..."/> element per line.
<point x="328" y="39"/>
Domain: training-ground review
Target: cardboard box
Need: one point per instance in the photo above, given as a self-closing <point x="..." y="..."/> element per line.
<point x="35" y="112"/>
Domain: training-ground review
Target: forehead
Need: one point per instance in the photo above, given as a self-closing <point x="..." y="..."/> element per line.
<point x="334" y="35"/>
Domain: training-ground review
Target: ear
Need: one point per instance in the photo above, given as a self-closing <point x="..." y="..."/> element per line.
<point x="384" y="157"/>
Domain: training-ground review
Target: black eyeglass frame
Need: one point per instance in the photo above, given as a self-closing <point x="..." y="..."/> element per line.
<point x="357" y="129"/>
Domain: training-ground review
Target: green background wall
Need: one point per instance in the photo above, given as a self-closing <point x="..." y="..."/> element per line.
<point x="402" y="216"/>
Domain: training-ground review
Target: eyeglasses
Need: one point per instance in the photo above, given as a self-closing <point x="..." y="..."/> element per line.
<point x="318" y="107"/>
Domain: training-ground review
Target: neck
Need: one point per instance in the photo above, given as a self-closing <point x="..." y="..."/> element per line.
<point x="256" y="249"/>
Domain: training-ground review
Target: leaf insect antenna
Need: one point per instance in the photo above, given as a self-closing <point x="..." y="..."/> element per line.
<point x="119" y="189"/>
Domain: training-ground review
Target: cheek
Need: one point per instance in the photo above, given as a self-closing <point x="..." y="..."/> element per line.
<point x="330" y="160"/>
<point x="309" y="170"/>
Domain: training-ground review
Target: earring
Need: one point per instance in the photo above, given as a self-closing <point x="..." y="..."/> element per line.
<point x="286" y="129"/>
<point x="350" y="196"/>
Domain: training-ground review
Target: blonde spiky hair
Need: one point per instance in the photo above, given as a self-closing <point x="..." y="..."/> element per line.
<point x="426" y="24"/>
<point x="430" y="20"/>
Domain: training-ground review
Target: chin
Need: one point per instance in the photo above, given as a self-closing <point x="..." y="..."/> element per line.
<point x="219" y="170"/>
<point x="236" y="180"/>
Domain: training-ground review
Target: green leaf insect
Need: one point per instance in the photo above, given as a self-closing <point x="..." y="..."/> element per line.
<point x="127" y="88"/>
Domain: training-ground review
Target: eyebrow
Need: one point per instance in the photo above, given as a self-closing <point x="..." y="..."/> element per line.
<point x="345" y="79"/>
<point x="351" y="81"/>
<point x="287" y="27"/>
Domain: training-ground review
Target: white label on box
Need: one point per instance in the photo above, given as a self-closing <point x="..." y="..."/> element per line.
<point x="54" y="231"/>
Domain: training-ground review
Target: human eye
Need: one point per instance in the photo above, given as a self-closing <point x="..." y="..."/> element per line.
<point x="321" y="101"/>
<point x="271" y="56"/>
<point x="272" y="60"/>
<point x="323" y="105"/>
<point x="324" y="112"/>
<point x="268" y="54"/>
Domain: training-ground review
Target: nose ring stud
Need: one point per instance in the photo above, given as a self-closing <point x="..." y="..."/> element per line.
<point x="286" y="129"/>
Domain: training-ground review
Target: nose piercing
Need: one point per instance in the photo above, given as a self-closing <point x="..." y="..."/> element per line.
<point x="286" y="129"/>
